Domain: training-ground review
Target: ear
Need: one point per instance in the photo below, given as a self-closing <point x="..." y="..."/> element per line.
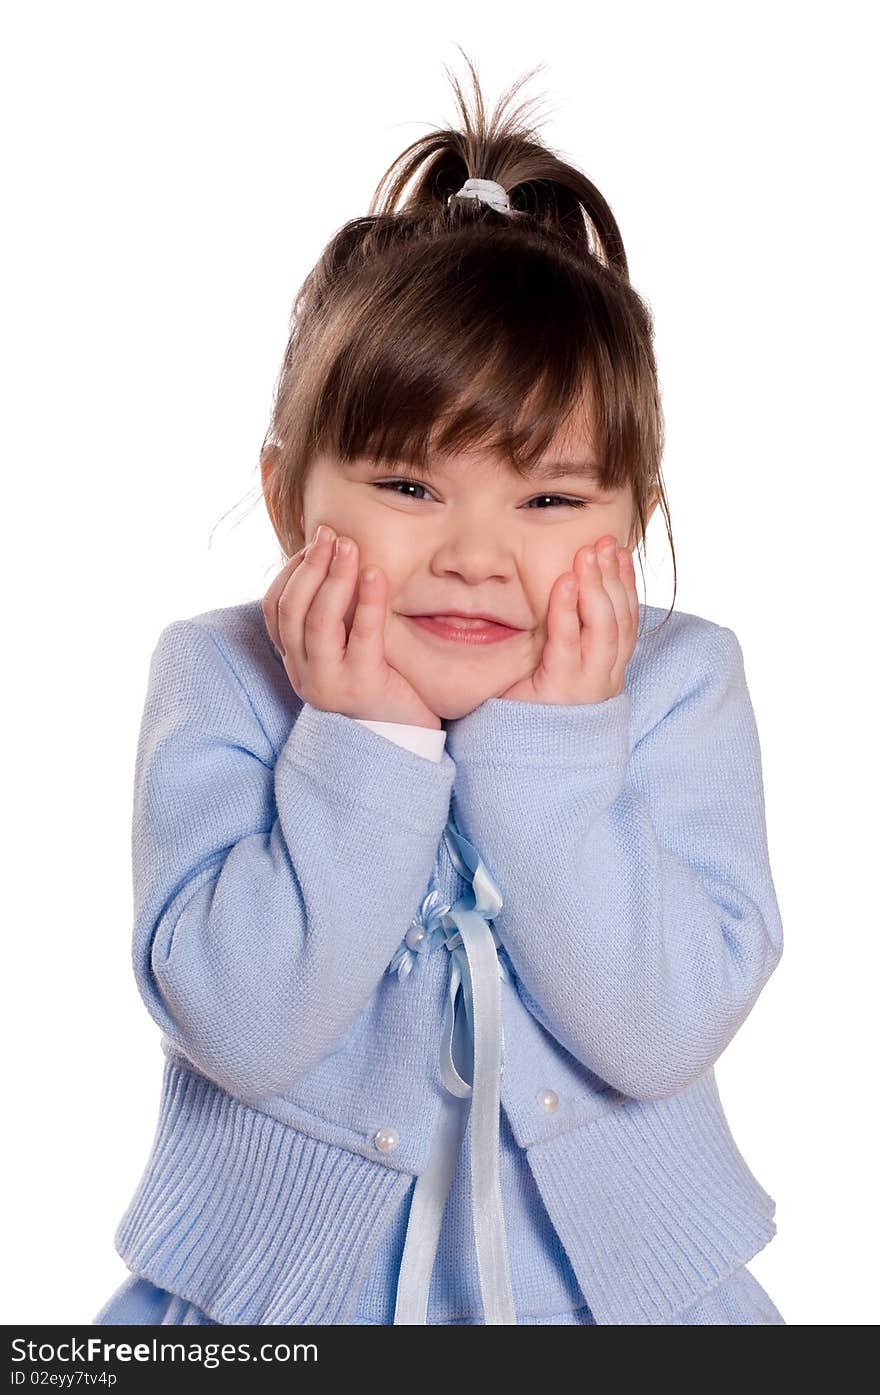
<point x="653" y="501"/>
<point x="267" y="465"/>
<point x="268" y="461"/>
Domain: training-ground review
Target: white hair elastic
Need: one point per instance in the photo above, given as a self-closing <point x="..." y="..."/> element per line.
<point x="487" y="190"/>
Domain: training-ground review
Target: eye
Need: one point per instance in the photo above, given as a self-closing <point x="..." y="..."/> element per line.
<point x="572" y="503"/>
<point x="412" y="484"/>
<point x="391" y="484"/>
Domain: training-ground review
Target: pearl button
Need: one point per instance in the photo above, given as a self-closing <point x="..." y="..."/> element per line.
<point x="548" y="1099"/>
<point x="385" y="1140"/>
<point x="414" y="936"/>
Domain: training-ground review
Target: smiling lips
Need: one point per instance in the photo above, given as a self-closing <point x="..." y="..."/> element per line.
<point x="463" y="630"/>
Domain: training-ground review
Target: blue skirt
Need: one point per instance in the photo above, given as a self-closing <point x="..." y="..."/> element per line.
<point x="737" y="1301"/>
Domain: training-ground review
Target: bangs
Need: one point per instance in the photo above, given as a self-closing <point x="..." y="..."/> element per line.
<point x="448" y="350"/>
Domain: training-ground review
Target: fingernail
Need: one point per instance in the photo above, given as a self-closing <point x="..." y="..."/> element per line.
<point x="322" y="533"/>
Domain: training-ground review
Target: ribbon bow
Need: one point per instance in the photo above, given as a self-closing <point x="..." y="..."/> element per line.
<point x="475" y="968"/>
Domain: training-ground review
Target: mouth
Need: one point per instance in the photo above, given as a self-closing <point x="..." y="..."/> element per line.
<point x="457" y="629"/>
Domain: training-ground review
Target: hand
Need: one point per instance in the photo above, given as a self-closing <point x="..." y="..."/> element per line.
<point x="304" y="610"/>
<point x="591" y="630"/>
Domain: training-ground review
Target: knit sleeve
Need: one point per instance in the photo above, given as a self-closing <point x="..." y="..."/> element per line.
<point x="424" y="740"/>
<point x="271" y="888"/>
<point x="639" y="909"/>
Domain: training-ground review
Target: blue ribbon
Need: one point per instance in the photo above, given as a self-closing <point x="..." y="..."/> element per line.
<point x="477" y="1036"/>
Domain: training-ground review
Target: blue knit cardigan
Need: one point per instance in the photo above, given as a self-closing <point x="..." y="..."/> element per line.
<point x="281" y="854"/>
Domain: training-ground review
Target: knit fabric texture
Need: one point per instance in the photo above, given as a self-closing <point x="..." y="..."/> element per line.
<point x="281" y="852"/>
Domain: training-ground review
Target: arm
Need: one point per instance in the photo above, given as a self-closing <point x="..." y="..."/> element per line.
<point x="269" y="893"/>
<point x="639" y="908"/>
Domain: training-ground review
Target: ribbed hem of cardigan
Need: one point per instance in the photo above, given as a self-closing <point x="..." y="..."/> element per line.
<point x="656" y="1203"/>
<point x="249" y="1219"/>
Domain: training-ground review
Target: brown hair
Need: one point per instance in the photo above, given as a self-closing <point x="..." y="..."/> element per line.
<point x="434" y="324"/>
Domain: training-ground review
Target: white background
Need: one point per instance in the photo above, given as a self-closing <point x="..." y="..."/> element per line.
<point x="172" y="172"/>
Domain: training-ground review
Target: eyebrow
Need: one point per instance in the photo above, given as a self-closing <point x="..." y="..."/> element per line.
<point x="561" y="469"/>
<point x="545" y="470"/>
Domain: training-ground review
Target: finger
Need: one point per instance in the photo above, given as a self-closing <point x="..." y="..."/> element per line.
<point x="324" y="629"/>
<point x="628" y="632"/>
<point x="599" y="634"/>
<point x="296" y="599"/>
<point x="628" y="577"/>
<point x="270" y="600"/>
<point x="561" y="658"/>
<point x="366" y="637"/>
<point x="609" y="566"/>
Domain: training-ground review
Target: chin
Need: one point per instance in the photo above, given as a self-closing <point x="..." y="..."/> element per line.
<point x="453" y="700"/>
<point x="451" y="712"/>
<point x="453" y="689"/>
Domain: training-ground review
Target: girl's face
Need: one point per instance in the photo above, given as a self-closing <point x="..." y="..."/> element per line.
<point x="469" y="536"/>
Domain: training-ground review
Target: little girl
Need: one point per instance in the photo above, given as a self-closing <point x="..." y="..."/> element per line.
<point x="450" y="866"/>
